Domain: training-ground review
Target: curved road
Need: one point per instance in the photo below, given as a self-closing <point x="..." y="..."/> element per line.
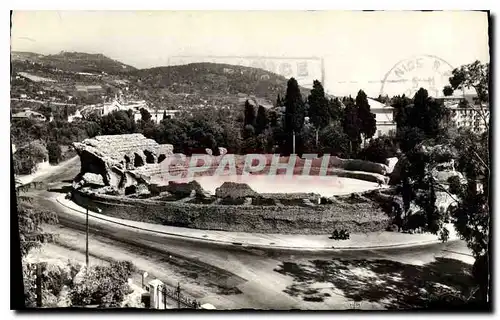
<point x="232" y="278"/>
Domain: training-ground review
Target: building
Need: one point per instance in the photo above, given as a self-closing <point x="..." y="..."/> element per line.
<point x="384" y="117"/>
<point x="28" y="114"/>
<point x="157" y="115"/>
<point x="75" y="116"/>
<point x="90" y="89"/>
<point x="467" y="113"/>
<point x="474" y="118"/>
<point x="118" y="104"/>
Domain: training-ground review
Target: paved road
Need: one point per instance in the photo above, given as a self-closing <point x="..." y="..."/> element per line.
<point x="242" y="278"/>
<point x="44" y="101"/>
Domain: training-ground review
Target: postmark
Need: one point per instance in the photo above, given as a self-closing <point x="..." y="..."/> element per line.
<point x="422" y="71"/>
<point x="304" y="69"/>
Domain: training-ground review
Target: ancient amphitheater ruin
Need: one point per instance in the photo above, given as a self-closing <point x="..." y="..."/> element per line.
<point x="124" y="176"/>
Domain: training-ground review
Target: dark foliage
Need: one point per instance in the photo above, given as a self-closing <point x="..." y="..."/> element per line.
<point x="366" y="118"/>
<point x="378" y="150"/>
<point x="54" y="152"/>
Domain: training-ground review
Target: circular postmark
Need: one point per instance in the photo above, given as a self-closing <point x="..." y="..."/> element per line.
<point x="422" y="71"/>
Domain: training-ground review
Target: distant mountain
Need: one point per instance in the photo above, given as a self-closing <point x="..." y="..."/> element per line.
<point x="75" y="61"/>
<point x="209" y="79"/>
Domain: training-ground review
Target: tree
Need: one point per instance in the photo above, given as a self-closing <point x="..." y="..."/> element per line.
<point x="31" y="234"/>
<point x="118" y="122"/>
<point x="164" y="115"/>
<point x="92" y="128"/>
<point x="474" y="75"/>
<point x="46" y="110"/>
<point x="472" y="211"/>
<point x="426" y="114"/>
<point x="378" y="150"/>
<point x="420" y="120"/>
<point x="249" y="114"/>
<point x="335" y="109"/>
<point x="333" y="141"/>
<point x="401" y="105"/>
<point x="274" y="118"/>
<point x="469" y="212"/>
<point x="27" y="157"/>
<point x="261" y="121"/>
<point x="409" y="137"/>
<point x="145" y="115"/>
<point x="294" y="113"/>
<point x="54" y="152"/>
<point x="279" y="101"/>
<point x="366" y="118"/>
<point x="448" y="91"/>
<point x="351" y="125"/>
<point x="105" y="286"/>
<point x="319" y="113"/>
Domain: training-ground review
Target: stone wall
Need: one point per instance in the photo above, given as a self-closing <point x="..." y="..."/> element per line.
<point x="364" y="216"/>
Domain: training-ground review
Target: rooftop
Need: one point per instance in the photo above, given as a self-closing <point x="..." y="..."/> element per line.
<point x="374" y="104"/>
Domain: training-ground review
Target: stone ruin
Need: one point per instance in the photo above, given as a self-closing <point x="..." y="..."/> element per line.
<point x="117" y="162"/>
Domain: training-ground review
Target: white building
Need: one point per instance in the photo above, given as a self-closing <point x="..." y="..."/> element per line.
<point x="384" y="116"/>
<point x="471" y="116"/>
<point x="136" y="106"/>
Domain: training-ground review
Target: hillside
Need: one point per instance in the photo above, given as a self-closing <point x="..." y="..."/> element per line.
<point x="213" y="79"/>
<point x="188" y="86"/>
<point x="23" y="56"/>
<point x="75" y="62"/>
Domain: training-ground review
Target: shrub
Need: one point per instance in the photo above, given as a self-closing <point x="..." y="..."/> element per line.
<point x="54" y="152"/>
<point x="393" y="228"/>
<point x="103" y="285"/>
<point x="28" y="156"/>
<point x="378" y="150"/>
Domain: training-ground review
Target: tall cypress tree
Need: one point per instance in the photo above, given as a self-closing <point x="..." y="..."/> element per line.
<point x="261" y="122"/>
<point x="351" y="124"/>
<point x="319" y="113"/>
<point x="279" y="102"/>
<point x="249" y="114"/>
<point x="335" y="109"/>
<point x="367" y="119"/>
<point x="294" y="112"/>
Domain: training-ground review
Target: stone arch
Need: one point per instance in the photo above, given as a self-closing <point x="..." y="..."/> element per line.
<point x="138" y="161"/>
<point x="149" y="156"/>
<point x="161" y="157"/>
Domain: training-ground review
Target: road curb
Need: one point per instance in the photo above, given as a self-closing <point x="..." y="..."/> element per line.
<point x="262" y="246"/>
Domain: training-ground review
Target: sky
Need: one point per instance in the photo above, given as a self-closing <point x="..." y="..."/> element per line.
<point x="391" y="52"/>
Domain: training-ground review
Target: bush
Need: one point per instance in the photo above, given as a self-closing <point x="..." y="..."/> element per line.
<point x="27" y="157"/>
<point x="333" y="141"/>
<point x="106" y="286"/>
<point x="54" y="152"/>
<point x="393" y="228"/>
<point x="378" y="150"/>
